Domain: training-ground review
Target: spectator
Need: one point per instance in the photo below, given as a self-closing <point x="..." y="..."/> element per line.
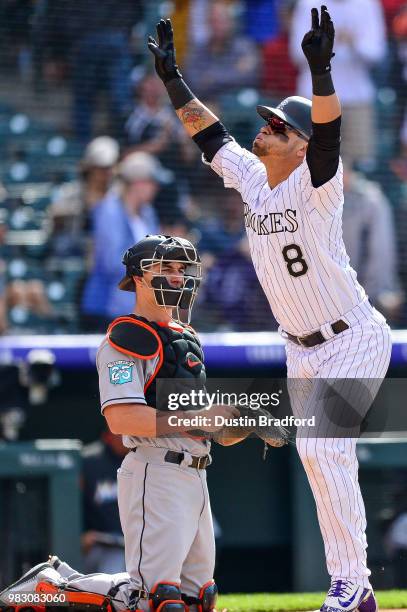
<point x="95" y="35"/>
<point x="399" y="31"/>
<point x="391" y="8"/>
<point x="28" y="305"/>
<point x="392" y="78"/>
<point x="260" y="19"/>
<point x="279" y="76"/>
<point x="355" y="55"/>
<point x="74" y="203"/>
<point x="124" y="217"/>
<point x="227" y="62"/>
<point x="233" y="295"/>
<point x="102" y="541"/>
<point x="369" y="236"/>
<point x="222" y="233"/>
<point x="192" y="15"/>
<point x="154" y="128"/>
<point x="15" y="17"/>
<point x="152" y="125"/>
<point x="179" y="226"/>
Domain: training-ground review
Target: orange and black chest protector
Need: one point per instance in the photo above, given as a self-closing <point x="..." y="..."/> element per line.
<point x="180" y="365"/>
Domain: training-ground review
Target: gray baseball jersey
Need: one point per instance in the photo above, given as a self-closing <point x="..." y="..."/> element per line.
<point x="122" y="380"/>
<point x="295" y="238"/>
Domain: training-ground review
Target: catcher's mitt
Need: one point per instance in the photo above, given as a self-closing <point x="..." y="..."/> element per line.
<point x="265" y="427"/>
<point x="259" y="422"/>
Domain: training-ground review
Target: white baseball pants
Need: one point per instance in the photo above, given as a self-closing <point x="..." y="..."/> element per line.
<point x="360" y="353"/>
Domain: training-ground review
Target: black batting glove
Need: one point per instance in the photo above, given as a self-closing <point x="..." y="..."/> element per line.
<point x="164" y="52"/>
<point x="318" y="43"/>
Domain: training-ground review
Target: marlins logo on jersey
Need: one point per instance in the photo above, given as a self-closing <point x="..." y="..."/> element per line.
<point x="120" y="372"/>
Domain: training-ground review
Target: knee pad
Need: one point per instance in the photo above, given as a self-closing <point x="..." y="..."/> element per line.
<point x="166" y="597"/>
<point x="206" y="601"/>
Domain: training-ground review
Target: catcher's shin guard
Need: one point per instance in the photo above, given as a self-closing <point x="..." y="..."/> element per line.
<point x="208" y="596"/>
<point x="166" y="597"/>
<point x="206" y="601"/>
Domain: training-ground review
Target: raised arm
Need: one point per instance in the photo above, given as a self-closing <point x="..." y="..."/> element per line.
<point x="324" y="146"/>
<point x="200" y="122"/>
<point x="317" y="46"/>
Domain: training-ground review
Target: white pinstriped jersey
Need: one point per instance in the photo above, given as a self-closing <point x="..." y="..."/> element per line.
<point x="295" y="238"/>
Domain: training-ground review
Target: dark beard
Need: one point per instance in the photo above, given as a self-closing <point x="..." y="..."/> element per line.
<point x="259" y="151"/>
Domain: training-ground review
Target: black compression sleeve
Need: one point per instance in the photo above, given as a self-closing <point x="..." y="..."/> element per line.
<point x="211" y="139"/>
<point x="178" y="92"/>
<point x="323" y="151"/>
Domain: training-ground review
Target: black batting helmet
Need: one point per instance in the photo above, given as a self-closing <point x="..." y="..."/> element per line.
<point x="295" y="111"/>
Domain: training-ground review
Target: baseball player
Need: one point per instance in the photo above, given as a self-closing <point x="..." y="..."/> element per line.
<point x="291" y="186"/>
<point x="162" y="493"/>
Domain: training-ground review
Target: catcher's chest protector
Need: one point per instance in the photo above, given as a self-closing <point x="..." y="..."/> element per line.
<point x="178" y="348"/>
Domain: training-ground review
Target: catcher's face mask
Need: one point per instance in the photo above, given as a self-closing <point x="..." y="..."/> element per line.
<point x="176" y="274"/>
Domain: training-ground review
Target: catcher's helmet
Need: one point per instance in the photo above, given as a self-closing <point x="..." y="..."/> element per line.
<point x="295" y="111"/>
<point x="158" y="249"/>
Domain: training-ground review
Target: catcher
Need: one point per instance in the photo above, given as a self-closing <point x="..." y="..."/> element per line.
<point x="163" y="497"/>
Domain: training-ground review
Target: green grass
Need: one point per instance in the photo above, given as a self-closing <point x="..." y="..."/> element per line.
<point x="298" y="602"/>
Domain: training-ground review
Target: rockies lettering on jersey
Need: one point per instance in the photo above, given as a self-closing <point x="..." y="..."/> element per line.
<point x="271" y="223"/>
<point x="295" y="238"/>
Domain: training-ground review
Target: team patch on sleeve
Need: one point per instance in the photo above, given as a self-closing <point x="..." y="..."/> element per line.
<point x="120" y="372"/>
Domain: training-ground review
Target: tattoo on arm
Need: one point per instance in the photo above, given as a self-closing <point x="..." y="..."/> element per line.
<point x="196" y="117"/>
<point x="193" y="115"/>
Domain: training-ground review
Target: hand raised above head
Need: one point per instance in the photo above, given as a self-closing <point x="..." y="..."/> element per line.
<point x="164" y="51"/>
<point x="318" y="43"/>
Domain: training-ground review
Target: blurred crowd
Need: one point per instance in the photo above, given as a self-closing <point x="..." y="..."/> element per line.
<point x="73" y="200"/>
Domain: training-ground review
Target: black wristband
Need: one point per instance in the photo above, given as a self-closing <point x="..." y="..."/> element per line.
<point x="179" y="92"/>
<point x="322" y="84"/>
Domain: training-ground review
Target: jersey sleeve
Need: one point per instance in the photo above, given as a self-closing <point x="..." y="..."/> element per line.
<point x="122" y="378"/>
<point x="239" y="169"/>
<point x="326" y="199"/>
